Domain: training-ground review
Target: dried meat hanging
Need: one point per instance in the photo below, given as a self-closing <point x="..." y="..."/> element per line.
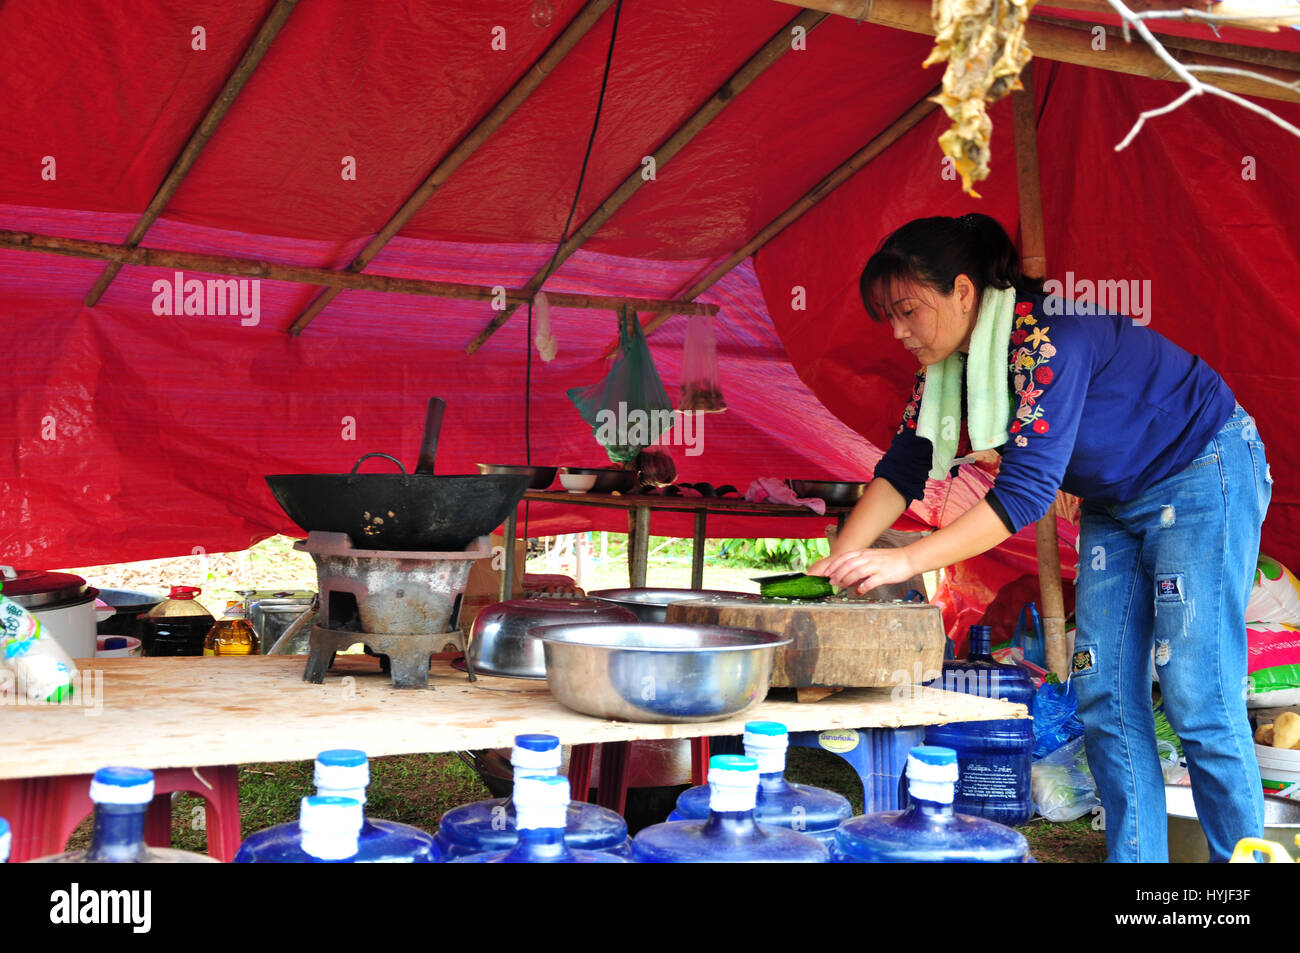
<point x="701" y="391"/>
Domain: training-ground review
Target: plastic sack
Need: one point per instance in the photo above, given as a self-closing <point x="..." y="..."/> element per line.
<point x="1056" y="718"/>
<point x="1062" y="785"/>
<point x="1029" y="636"/>
<point x="547" y="347"/>
<point x="628" y="410"/>
<point x="701" y="391"/>
<point x="30" y="660"/>
<point x="1273" y="662"/>
<point x="1275" y="595"/>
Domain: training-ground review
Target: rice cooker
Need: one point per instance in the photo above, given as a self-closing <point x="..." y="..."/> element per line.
<point x="62" y="602"/>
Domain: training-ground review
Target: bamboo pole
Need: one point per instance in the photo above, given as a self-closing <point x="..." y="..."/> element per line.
<point x="829" y="183"/>
<point x="757" y="64"/>
<point x="467" y="146"/>
<point x="1033" y="254"/>
<point x="1254" y="14"/>
<point x="216" y="112"/>
<point x="1066" y="45"/>
<point x="301" y="274"/>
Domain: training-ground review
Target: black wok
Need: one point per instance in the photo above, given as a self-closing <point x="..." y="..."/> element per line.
<point x="416" y="511"/>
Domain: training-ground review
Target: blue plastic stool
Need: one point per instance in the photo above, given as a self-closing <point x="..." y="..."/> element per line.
<point x="878" y="755"/>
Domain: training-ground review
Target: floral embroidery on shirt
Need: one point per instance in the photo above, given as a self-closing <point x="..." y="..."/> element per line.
<point x="913" y="409"/>
<point x="1033" y="350"/>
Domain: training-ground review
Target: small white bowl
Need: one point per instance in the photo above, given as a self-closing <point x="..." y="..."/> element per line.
<point x="577" y="482"/>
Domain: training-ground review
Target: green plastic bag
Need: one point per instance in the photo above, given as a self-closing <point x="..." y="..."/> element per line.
<point x="628" y="410"/>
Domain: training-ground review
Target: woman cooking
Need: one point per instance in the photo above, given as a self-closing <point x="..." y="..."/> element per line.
<point x="1174" y="485"/>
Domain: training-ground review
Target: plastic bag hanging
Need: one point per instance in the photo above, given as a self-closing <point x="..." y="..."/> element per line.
<point x="701" y="391"/>
<point x="542" y="337"/>
<point x="628" y="410"/>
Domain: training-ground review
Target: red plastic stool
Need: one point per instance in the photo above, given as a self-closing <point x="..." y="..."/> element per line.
<point x="43" y="812"/>
<point x="612" y="792"/>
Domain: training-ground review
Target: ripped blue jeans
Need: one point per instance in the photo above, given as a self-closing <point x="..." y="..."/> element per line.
<point x="1171" y="571"/>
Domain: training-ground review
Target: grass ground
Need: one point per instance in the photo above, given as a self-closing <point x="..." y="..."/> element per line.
<point x="419" y="789"/>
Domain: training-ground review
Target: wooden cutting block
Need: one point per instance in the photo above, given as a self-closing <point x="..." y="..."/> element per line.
<point x="835" y="644"/>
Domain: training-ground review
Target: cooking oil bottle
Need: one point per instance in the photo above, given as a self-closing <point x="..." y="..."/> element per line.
<point x="232" y="635"/>
<point x="799" y="807"/>
<point x="489" y="826"/>
<point x="176" y="626"/>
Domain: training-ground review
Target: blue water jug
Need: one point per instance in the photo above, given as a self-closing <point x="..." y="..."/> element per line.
<point x="928" y="830"/>
<point x="489" y="826"/>
<point x="993" y="756"/>
<point x="541" y="814"/>
<point x="799" y="807"/>
<point x="121" y="797"/>
<point x="730" y="835"/>
<point x="4" y="841"/>
<point x="344" y="772"/>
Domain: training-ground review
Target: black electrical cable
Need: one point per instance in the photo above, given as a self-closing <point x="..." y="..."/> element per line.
<point x="564" y="235"/>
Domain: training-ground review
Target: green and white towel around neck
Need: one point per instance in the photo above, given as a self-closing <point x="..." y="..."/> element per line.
<point x="987" y="393"/>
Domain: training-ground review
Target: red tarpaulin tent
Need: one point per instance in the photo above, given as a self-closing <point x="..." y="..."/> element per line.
<point x="133" y="434"/>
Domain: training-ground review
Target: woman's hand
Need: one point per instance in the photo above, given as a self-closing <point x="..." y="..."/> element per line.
<point x="866" y="568"/>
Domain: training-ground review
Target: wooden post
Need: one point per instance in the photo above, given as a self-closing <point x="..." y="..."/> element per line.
<point x="1033" y="254"/>
<point x="638" y="545"/>
<point x="697" y="550"/>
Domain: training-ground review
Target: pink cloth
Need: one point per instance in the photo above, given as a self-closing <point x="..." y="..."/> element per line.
<point x="772" y="490"/>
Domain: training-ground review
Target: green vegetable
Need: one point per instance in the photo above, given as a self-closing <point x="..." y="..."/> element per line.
<point x="797" y="587"/>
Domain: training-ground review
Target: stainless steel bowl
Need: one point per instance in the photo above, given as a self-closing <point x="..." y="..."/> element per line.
<point x="834" y="492"/>
<point x="500" y="643"/>
<point x="1187" y="843"/>
<point x="608" y="479"/>
<point x="651" y="605"/>
<point x="658" y="672"/>
<point x="539" y="478"/>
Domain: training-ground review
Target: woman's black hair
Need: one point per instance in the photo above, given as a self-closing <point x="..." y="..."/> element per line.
<point x="934" y="251"/>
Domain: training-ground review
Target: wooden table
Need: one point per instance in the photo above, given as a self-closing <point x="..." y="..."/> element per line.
<point x="192" y="712"/>
<point x="638" y="508"/>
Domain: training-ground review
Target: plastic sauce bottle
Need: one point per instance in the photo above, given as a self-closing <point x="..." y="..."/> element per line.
<point x="994" y="756"/>
<point x="232" y="635"/>
<point x="176" y="626"/>
<point x="329" y="828"/>
<point x="345" y="773"/>
<point x="929" y="830"/>
<point x="122" y="797"/>
<point x="799" y="807"/>
<point x="541" y="813"/>
<point x="489" y="826"/>
<point x="730" y="835"/>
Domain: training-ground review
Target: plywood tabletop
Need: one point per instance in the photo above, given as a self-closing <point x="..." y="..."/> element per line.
<point x="162" y="713"/>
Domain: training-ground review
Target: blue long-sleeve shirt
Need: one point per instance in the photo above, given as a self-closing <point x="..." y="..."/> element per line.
<point x="1102" y="408"/>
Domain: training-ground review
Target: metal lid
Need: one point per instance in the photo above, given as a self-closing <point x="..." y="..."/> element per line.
<point x="32" y="589"/>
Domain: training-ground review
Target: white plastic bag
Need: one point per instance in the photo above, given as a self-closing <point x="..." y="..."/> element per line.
<point x="1062" y="785"/>
<point x="701" y="391"/>
<point x="547" y="346"/>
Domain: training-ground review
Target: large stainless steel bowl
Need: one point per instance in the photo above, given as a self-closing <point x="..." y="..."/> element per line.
<point x="651" y="605"/>
<point x="1187" y="843"/>
<point x="539" y="478"/>
<point x="500" y="643"/>
<point x="658" y="672"/>
<point x="834" y="492"/>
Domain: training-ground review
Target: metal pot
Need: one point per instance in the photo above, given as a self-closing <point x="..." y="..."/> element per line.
<point x="128" y="606"/>
<point x="539" y="478"/>
<point x="651" y="605"/>
<point x="414" y="511"/>
<point x="1187" y="843"/>
<point x="61" y="602"/>
<point x="834" y="492"/>
<point x="658" y="672"/>
<point x="501" y="644"/>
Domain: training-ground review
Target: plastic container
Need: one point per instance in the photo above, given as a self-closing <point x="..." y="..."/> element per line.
<point x="176" y="626"/>
<point x="994" y="757"/>
<point x="489" y="826"/>
<point x="798" y="807"/>
<point x="232" y="634"/>
<point x="541" y="810"/>
<point x="122" y="797"/>
<point x="1279" y="769"/>
<point x="344" y="772"/>
<point x="329" y="831"/>
<point x="730" y="835"/>
<point x="929" y="830"/>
